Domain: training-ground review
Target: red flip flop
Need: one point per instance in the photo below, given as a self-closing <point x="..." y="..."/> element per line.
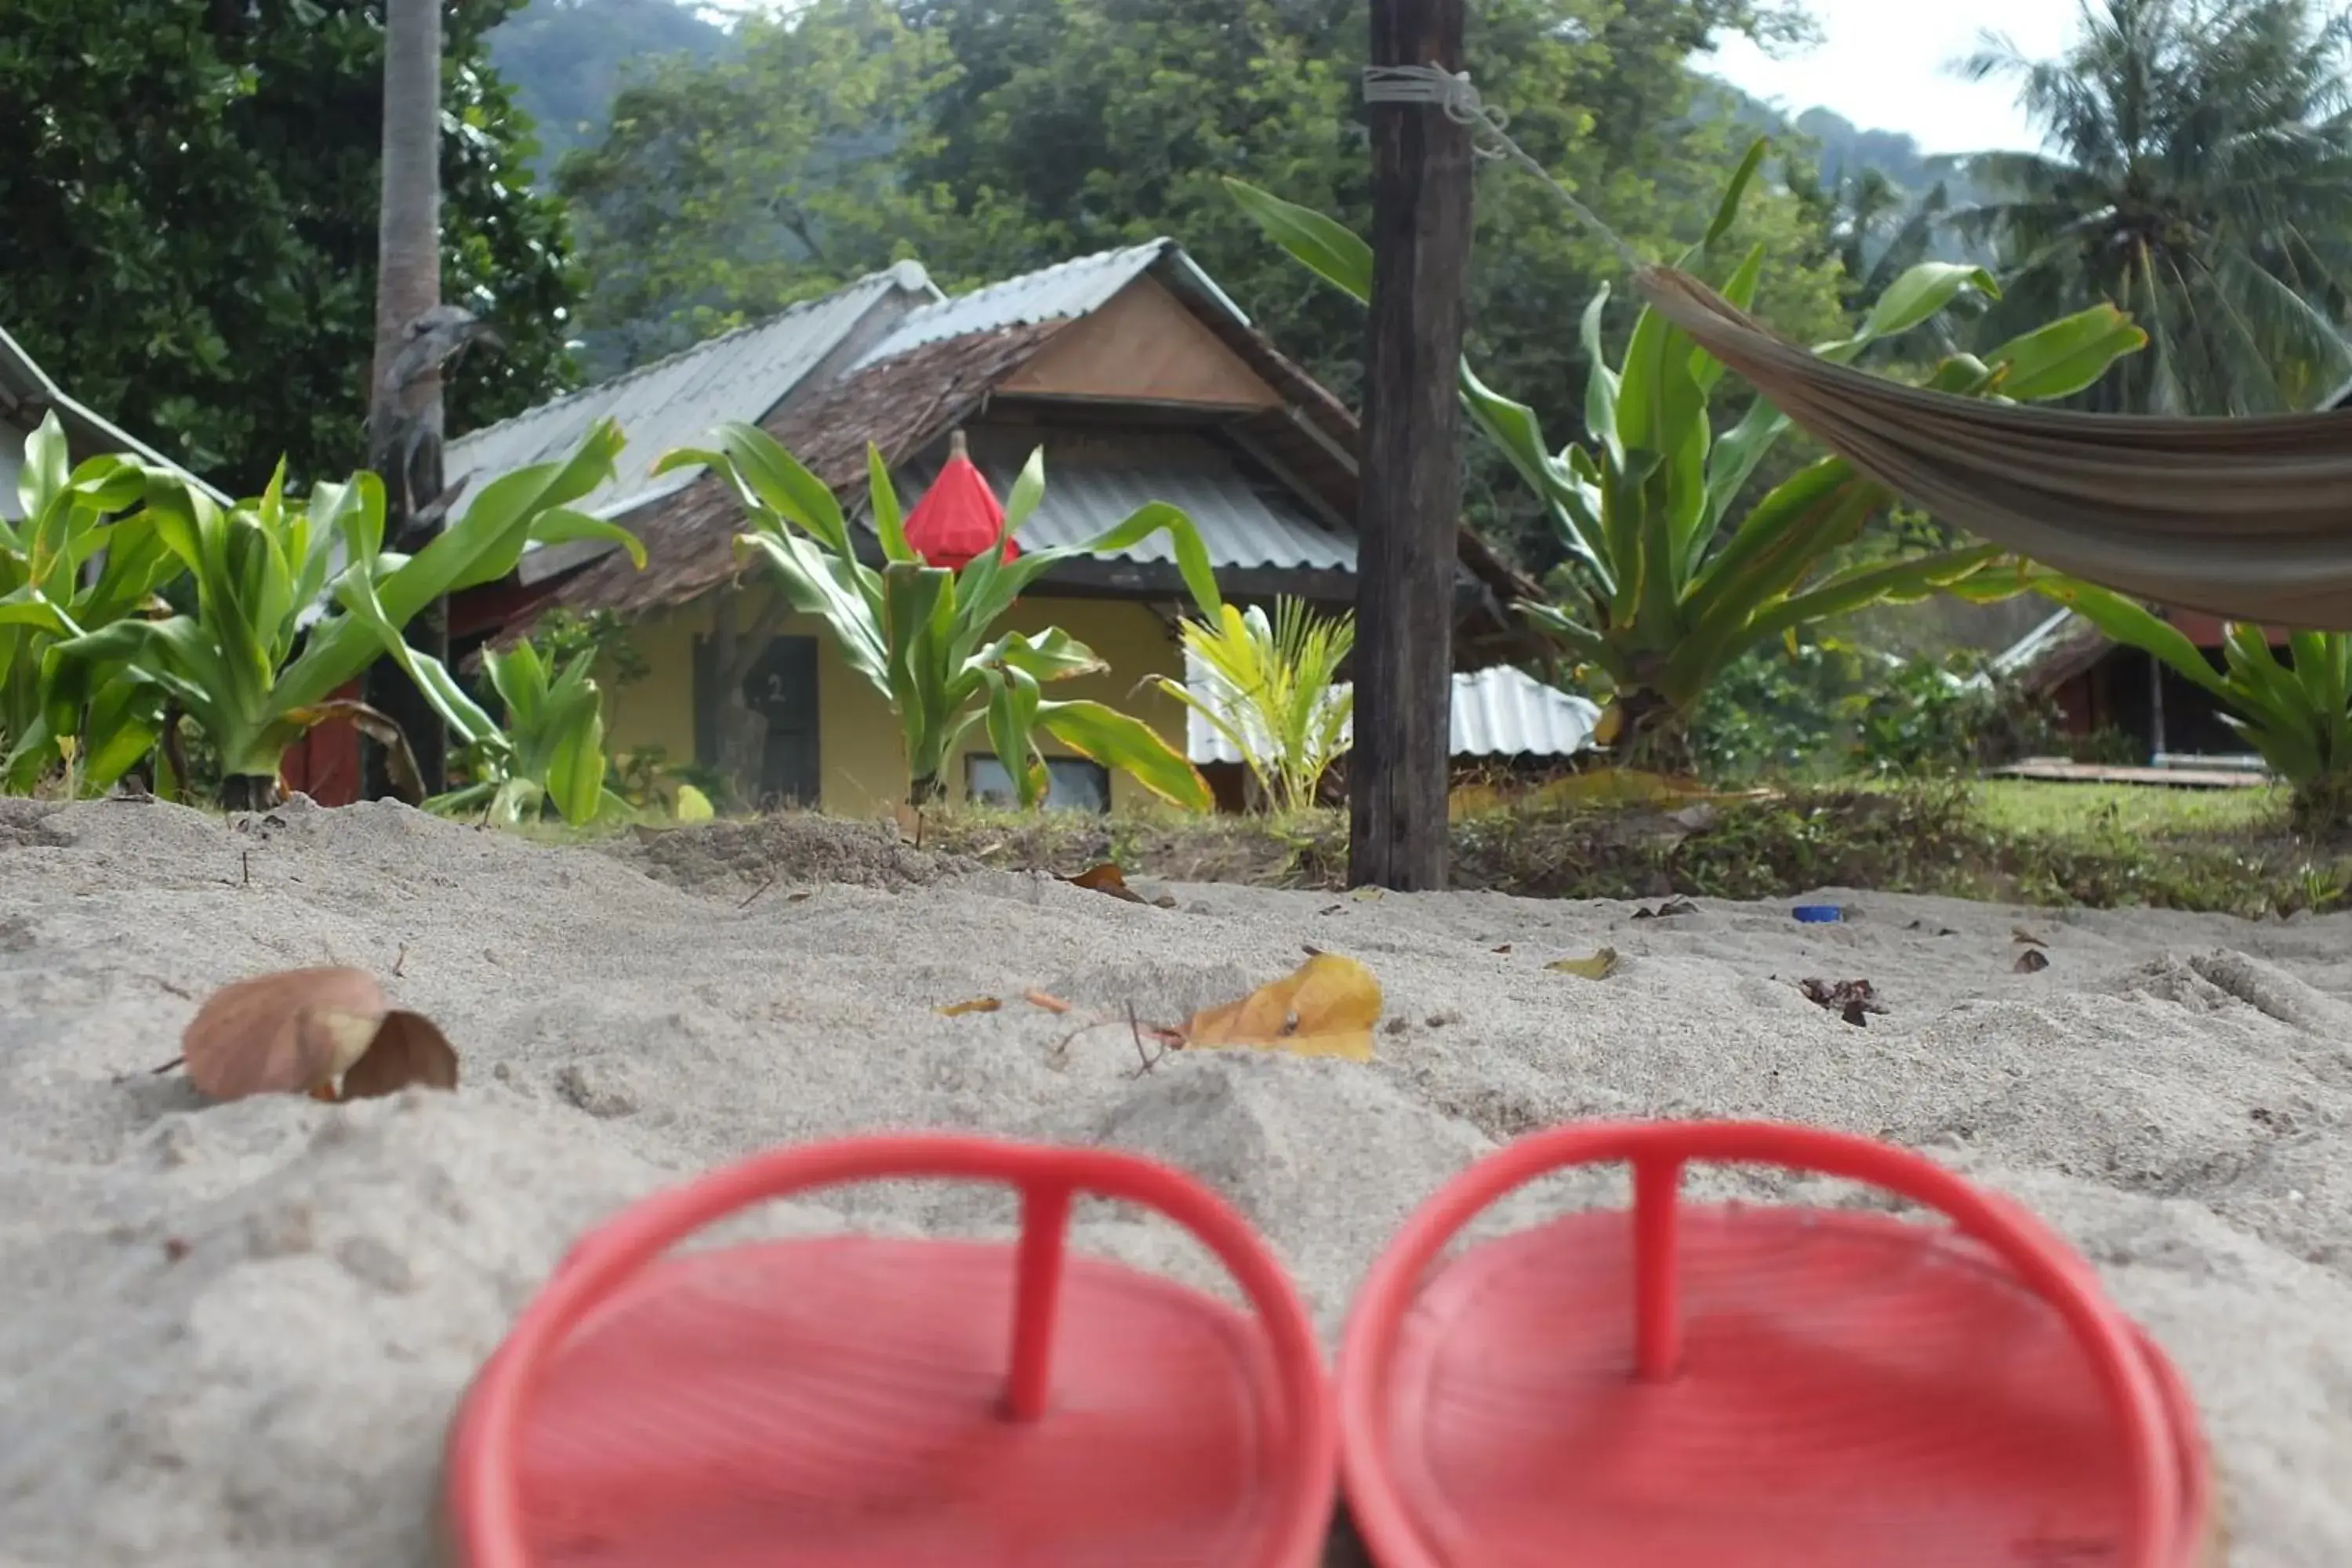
<point x="855" y="1402"/>
<point x="1743" y="1386"/>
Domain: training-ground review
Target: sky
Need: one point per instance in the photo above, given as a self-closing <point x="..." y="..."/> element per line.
<point x="1881" y="64"/>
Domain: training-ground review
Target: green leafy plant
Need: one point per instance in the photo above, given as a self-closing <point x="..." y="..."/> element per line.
<point x="1667" y="586"/>
<point x="550" y="749"/>
<point x="1956" y="714"/>
<point x="651" y="784"/>
<point x="922" y="634"/>
<point x="1270" y="687"/>
<point x="86" y="555"/>
<point x="2296" y="715"/>
<point x="245" y="669"/>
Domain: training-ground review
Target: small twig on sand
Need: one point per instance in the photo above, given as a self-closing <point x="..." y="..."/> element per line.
<point x="1060" y="1054"/>
<point x="400" y="964"/>
<point x="167" y="1067"/>
<point x="1149" y="1059"/>
<point x="754" y="896"/>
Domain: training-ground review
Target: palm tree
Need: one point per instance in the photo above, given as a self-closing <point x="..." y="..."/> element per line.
<point x="2199" y="173"/>
<point x="1877" y="231"/>
<point x="404" y="396"/>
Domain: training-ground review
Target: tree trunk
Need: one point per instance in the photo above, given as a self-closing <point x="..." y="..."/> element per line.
<point x="405" y="421"/>
<point x="1652" y="735"/>
<point x="1411" y="464"/>
<point x="742" y="734"/>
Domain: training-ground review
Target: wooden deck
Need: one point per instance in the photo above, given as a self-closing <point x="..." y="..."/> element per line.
<point x="2054" y="770"/>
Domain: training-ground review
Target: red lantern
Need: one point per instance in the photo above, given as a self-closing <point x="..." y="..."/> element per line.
<point x="959" y="516"/>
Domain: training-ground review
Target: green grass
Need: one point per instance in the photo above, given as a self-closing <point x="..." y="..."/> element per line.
<point x="2059" y="845"/>
<point x="2026" y="805"/>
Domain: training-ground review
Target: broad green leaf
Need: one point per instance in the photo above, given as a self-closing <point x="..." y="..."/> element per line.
<point x="2135" y="626"/>
<point x="1130" y="745"/>
<point x="1013" y="704"/>
<point x="1599" y="380"/>
<point x="1726" y="212"/>
<point x="1028" y="492"/>
<point x="1327" y="248"/>
<point x="1900" y="581"/>
<point x="575" y="774"/>
<point x="1923" y="292"/>
<point x="889" y="523"/>
<point x="47" y="470"/>
<point x="2066" y="357"/>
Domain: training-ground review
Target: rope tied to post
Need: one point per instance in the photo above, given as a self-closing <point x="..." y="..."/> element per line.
<point x="1457" y="96"/>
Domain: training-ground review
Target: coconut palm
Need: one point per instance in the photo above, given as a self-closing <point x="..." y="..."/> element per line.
<point x="1875" y="228"/>
<point x="2199" y="174"/>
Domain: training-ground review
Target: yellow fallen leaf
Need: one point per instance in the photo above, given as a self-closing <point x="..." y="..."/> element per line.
<point x="1366" y="895"/>
<point x="977" y="1005"/>
<point x="693" y="805"/>
<point x="1326" y="1008"/>
<point x="1600" y="966"/>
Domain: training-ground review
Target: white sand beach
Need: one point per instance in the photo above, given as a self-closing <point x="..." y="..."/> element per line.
<point x="233" y="1335"/>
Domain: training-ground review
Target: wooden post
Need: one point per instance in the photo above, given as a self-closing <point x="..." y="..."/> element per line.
<point x="1412" y="465"/>
<point x="405" y="422"/>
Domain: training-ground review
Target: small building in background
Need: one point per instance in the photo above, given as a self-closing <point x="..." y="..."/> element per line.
<point x="1140" y="379"/>
<point x="2126" y="709"/>
<point x="2123" y="708"/>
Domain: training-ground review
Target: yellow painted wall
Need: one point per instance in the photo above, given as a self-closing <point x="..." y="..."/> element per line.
<point x="857" y="737"/>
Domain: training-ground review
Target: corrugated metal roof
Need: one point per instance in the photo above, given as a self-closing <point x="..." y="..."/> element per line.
<point x="1064" y="292"/>
<point x="2030" y="649"/>
<point x="1504" y="711"/>
<point x="1094" y="481"/>
<point x="675" y="402"/>
<point x="1497" y="712"/>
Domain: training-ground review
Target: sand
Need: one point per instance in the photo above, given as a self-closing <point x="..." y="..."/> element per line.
<point x="233" y="1335"/>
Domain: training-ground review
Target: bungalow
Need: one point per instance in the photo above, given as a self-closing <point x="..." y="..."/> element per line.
<point x="2101" y="688"/>
<point x="1138" y="376"/>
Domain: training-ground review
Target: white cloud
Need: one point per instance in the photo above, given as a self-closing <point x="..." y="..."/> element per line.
<point x="1884" y="64"/>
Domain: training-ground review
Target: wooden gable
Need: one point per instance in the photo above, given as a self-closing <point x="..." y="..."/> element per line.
<point x="1143" y="346"/>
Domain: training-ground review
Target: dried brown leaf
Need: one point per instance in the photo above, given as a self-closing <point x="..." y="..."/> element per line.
<point x="1106" y="878"/>
<point x="977" y="1005"/>
<point x="2018" y="933"/>
<point x="288" y="1033"/>
<point x="1045" y="999"/>
<point x="409" y="1048"/>
<point x="2033" y="960"/>
<point x="1852" y="1000"/>
<point x="1326" y="1007"/>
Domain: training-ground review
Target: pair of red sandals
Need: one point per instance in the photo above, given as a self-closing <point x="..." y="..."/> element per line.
<point x="1792" y="1387"/>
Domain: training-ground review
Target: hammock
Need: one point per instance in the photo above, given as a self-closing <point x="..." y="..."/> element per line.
<point x="2250" y="520"/>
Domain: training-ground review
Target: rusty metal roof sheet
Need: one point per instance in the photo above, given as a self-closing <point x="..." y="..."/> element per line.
<point x="674" y="402"/>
